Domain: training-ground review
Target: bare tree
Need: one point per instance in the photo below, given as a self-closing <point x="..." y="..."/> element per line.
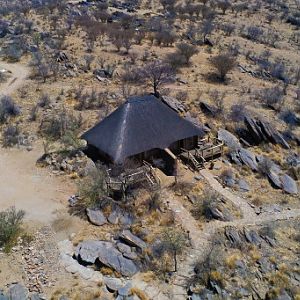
<point x="223" y="63"/>
<point x="224" y="5"/>
<point x="156" y="74"/>
<point x="206" y="29"/>
<point x="44" y="71"/>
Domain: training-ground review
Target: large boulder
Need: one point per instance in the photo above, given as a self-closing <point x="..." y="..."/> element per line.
<point x="229" y="139"/>
<point x="289" y="185"/>
<point x="243" y="185"/>
<point x="252" y="236"/>
<point x="254" y="131"/>
<point x="174" y="104"/>
<point x="113" y="284"/>
<point x="248" y="158"/>
<point x="132" y="239"/>
<point x="274" y="179"/>
<point x="96" y="217"/>
<point x="208" y="109"/>
<point x="106" y="253"/>
<point x="17" y="292"/>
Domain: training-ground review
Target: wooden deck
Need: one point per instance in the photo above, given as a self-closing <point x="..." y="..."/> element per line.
<point x="207" y="150"/>
<point x="144" y="173"/>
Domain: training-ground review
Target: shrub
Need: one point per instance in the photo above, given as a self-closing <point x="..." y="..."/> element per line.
<point x="253" y="33"/>
<point x="187" y="51"/>
<point x="223" y="63"/>
<point x="165" y="38"/>
<point x="154" y="202"/>
<point x="156" y="74"/>
<point x="13" y="52"/>
<point x="290" y="117"/>
<point x="227" y="176"/>
<point x="206" y="29"/>
<point x="92" y="188"/>
<point x="238" y="112"/>
<point x="10" y="136"/>
<point x="272" y="97"/>
<point x="224" y="5"/>
<point x="8" y="108"/>
<point x="173" y="241"/>
<point x="44" y="101"/>
<point x="57" y="125"/>
<point x="175" y="60"/>
<point x="10" y="227"/>
<point x="217" y="98"/>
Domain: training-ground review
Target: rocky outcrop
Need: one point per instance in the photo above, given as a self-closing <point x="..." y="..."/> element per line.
<point x="261" y="131"/>
<point x="174" y="104"/>
<point x="275" y="175"/>
<point x="132" y="239"/>
<point x="208" y="109"/>
<point x="17" y="291"/>
<point x="243" y="185"/>
<point x="103" y="252"/>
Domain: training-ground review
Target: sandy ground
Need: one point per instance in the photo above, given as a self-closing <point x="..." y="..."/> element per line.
<point x="27" y="187"/>
<point x="19" y="74"/>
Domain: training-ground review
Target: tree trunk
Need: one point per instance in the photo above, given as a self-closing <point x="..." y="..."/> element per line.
<point x="175" y="261"/>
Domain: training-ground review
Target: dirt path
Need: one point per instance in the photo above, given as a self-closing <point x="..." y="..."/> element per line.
<point x="201" y="237"/>
<point x="19" y="74"/>
<point x="246" y="209"/>
<point x="22" y="184"/>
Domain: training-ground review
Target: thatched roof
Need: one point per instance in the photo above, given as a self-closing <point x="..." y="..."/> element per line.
<point x="140" y="124"/>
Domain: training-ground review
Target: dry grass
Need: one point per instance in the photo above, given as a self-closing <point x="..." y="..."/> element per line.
<point x="149" y="276"/>
<point x="231" y="260"/>
<point x="141" y="295"/>
<point x="257" y="201"/>
<point x="254" y="254"/>
<point x="218" y="277"/>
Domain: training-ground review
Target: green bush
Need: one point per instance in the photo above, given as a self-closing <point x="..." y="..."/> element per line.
<point x="10" y="227"/>
<point x="93" y="187"/>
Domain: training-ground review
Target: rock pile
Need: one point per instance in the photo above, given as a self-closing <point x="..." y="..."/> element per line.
<point x="113" y="288"/>
<point x="116" y="216"/>
<point x="275" y="175"/>
<point x="121" y="256"/>
<point x="59" y="163"/>
<point x="40" y="260"/>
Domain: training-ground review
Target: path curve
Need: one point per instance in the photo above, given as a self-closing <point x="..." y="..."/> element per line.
<point x="201" y="238"/>
<point x="19" y="73"/>
<point x="245" y="207"/>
